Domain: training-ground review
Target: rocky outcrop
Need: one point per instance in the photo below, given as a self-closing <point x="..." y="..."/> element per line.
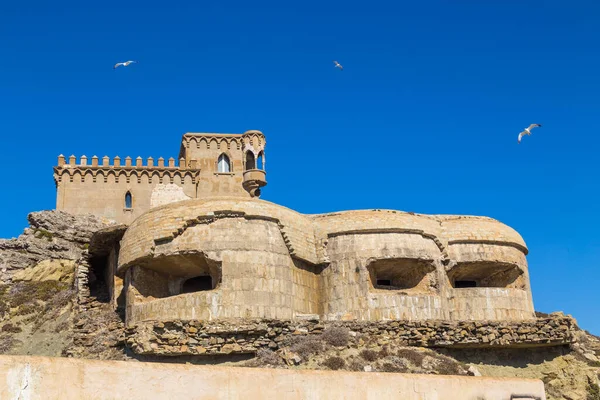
<point x="45" y="304"/>
<point x="52" y="235"/>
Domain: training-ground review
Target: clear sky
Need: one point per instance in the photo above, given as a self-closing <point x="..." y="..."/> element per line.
<point x="424" y="117"/>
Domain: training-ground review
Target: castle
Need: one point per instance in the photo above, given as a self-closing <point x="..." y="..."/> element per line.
<point x="196" y="243"/>
<point x="209" y="164"/>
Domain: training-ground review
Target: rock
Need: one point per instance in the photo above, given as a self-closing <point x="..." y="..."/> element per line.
<point x="368" y="368"/>
<point x="52" y="235"/>
<point x="289" y="357"/>
<point x="48" y="270"/>
<point x="590" y="357"/>
<point x="230" y="348"/>
<point x="473" y="371"/>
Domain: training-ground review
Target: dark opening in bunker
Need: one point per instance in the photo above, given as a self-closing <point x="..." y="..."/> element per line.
<point x="486" y="274"/>
<point x="384" y="282"/>
<point x="401" y="274"/>
<point x="197" y="284"/>
<point x="465" y="284"/>
<point x="98" y="279"/>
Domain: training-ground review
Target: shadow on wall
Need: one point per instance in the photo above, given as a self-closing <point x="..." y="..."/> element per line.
<point x="516" y="358"/>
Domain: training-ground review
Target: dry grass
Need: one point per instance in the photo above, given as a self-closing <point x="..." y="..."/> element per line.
<point x="357" y="365"/>
<point x="334" y="363"/>
<point x="369" y="355"/>
<point x="448" y="366"/>
<point x="7" y="343"/>
<point x="10" y="328"/>
<point x="413" y="356"/>
<point x="393" y="367"/>
<point x="265" y="358"/>
<point x="336" y="336"/>
<point x="306" y="346"/>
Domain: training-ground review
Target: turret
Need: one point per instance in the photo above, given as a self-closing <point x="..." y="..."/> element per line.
<point x="253" y="148"/>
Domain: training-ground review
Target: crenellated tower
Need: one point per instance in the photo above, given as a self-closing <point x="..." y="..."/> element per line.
<point x="209" y="165"/>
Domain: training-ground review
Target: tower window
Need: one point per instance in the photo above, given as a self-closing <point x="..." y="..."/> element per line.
<point x="260" y="162"/>
<point x="128" y="200"/>
<point x="223" y="164"/>
<point x="250" y="161"/>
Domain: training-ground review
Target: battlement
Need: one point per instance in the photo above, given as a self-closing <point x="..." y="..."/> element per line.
<point x="94" y="167"/>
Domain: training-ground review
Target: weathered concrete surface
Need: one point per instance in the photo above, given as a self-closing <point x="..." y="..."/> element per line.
<point x="267" y="261"/>
<point x="35" y="378"/>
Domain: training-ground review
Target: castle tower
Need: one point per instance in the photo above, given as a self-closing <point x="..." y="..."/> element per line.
<point x="208" y="165"/>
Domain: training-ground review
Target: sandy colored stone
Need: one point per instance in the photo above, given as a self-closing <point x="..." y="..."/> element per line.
<point x="48" y="270"/>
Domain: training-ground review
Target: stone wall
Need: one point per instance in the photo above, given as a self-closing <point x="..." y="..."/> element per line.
<point x="100" y="190"/>
<point x="246" y="336"/>
<point x="36" y="378"/>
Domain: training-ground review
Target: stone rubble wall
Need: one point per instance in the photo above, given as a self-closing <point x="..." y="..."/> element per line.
<point x="230" y="337"/>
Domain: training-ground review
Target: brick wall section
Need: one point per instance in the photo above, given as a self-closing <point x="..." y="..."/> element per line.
<point x="183" y="337"/>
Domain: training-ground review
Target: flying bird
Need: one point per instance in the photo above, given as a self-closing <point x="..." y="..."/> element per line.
<point x="527" y="131"/>
<point x="124" y="64"/>
<point x="337" y="65"/>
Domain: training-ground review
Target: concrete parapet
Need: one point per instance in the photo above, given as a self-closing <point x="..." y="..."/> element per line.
<point x="48" y="378"/>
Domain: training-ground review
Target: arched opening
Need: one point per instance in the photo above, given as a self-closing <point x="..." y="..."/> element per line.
<point x="197" y="284"/>
<point x="260" y="162"/>
<point x="128" y="200"/>
<point x="250" y="161"/>
<point x="223" y="163"/>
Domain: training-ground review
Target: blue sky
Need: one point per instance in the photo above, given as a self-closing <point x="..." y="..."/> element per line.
<point x="424" y="117"/>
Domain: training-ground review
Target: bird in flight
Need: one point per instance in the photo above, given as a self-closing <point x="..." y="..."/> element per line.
<point x="527" y="131"/>
<point x="124" y="64"/>
<point x="337" y="65"/>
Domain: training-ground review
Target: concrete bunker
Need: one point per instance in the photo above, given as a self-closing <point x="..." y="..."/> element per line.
<point x="486" y="274"/>
<point x="410" y="274"/>
<point x="175" y="274"/>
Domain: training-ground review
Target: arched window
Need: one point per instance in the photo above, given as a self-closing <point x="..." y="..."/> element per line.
<point x="128" y="200"/>
<point x="223" y="164"/>
<point x="259" y="162"/>
<point x="250" y="161"/>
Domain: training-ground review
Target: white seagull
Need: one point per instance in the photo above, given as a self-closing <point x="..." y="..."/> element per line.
<point x="124" y="64"/>
<point x="337" y="65"/>
<point x="527" y="131"/>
